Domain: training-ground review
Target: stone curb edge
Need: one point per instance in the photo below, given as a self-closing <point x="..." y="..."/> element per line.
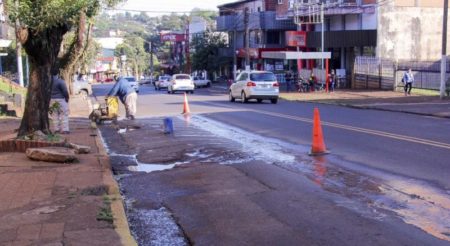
<point x="369" y="107"/>
<point x="120" y="219"/>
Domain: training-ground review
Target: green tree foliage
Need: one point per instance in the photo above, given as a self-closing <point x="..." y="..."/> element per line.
<point x="42" y="26"/>
<point x="133" y="48"/>
<point x="206" y="49"/>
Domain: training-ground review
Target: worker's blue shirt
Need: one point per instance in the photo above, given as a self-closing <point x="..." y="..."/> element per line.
<point x="121" y="89"/>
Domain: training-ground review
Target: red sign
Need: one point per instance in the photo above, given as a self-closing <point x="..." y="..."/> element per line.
<point x="172" y="37"/>
<point x="253" y="52"/>
<point x="296" y="38"/>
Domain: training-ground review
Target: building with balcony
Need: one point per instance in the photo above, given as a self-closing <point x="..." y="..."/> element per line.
<point x="266" y="33"/>
<point x="395" y="30"/>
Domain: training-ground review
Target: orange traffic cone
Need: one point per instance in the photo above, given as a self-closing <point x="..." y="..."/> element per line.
<point x="318" y="145"/>
<point x="186" y="109"/>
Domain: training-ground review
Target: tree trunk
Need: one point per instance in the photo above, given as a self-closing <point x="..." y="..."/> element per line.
<point x="42" y="49"/>
<point x="74" y="53"/>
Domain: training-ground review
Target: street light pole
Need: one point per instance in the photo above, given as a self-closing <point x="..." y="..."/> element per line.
<point x="444" y="51"/>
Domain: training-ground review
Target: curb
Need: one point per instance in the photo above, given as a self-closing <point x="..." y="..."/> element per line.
<point x="369" y="107"/>
<point x="120" y="219"/>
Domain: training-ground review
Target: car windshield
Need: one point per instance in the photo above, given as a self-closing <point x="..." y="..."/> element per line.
<point x="262" y="77"/>
<point x="164" y="78"/>
<point x="182" y="77"/>
<point x="130" y="79"/>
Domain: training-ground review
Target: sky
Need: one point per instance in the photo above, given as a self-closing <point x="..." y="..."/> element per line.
<point x="170" y="5"/>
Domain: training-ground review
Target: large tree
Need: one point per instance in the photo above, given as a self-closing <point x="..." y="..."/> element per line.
<point x="137" y="58"/>
<point x="206" y="51"/>
<point x="42" y="25"/>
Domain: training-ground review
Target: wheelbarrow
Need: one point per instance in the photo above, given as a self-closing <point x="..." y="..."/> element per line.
<point x="107" y="111"/>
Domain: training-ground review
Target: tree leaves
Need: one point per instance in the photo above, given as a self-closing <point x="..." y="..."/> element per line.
<point x="39" y="15"/>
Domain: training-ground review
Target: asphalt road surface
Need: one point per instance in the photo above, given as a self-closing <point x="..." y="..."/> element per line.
<point x="243" y="175"/>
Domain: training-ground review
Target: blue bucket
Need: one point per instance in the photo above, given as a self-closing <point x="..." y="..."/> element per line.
<point x="168" y="125"/>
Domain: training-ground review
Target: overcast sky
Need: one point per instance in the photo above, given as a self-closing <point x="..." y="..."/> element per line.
<point x="166" y="6"/>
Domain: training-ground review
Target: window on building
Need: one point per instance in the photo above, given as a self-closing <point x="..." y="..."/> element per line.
<point x="255" y="37"/>
<point x="273" y="37"/>
<point x="280" y="1"/>
<point x="230" y="39"/>
<point x="368" y="51"/>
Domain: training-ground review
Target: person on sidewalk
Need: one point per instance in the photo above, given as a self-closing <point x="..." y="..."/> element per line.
<point x="59" y="104"/>
<point x="127" y="96"/>
<point x="312" y="82"/>
<point x="408" y="80"/>
<point x="288" y="78"/>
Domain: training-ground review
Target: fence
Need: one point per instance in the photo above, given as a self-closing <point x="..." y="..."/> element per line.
<point x="377" y="73"/>
<point x="373" y="73"/>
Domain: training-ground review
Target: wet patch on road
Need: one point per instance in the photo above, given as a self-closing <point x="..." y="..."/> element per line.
<point x="203" y="141"/>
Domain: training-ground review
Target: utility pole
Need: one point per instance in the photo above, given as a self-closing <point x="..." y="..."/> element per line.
<point x="19" y="51"/>
<point x="234" y="55"/>
<point x="323" y="31"/>
<point x="188" y="55"/>
<point x="247" y="39"/>
<point x="444" y="51"/>
<point x="150" y="45"/>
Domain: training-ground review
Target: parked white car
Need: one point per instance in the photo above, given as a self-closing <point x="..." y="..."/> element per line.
<point x="133" y="83"/>
<point x="181" y="82"/>
<point x="259" y="85"/>
<point x="162" y="82"/>
<point x="201" y="82"/>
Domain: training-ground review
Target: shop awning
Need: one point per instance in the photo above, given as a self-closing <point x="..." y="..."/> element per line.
<point x="295" y="55"/>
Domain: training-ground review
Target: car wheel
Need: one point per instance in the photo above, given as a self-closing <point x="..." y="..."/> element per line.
<point x="231" y="98"/>
<point x="208" y="85"/>
<point x="259" y="100"/>
<point x="192" y="92"/>
<point x="244" y="98"/>
<point x="274" y="101"/>
<point x="168" y="92"/>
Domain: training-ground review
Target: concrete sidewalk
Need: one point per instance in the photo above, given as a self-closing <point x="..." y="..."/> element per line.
<point x="61" y="204"/>
<point x="379" y="100"/>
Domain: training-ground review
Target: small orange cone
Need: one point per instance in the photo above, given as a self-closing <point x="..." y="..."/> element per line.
<point x="318" y="145"/>
<point x="186" y="109"/>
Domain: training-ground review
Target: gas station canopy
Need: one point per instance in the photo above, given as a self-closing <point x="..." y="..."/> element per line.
<point x="295" y="55"/>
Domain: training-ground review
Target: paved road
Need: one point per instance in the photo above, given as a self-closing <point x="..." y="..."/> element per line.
<point x="393" y="161"/>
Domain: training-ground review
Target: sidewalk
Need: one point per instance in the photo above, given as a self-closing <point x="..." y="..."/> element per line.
<point x="379" y="100"/>
<point x="61" y="204"/>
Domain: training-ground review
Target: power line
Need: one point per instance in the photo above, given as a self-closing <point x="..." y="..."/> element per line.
<point x="161" y="11"/>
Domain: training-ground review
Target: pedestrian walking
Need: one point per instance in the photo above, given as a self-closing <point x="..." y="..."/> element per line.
<point x="332" y="79"/>
<point x="59" y="105"/>
<point x="127" y="96"/>
<point x="312" y="82"/>
<point x="288" y="78"/>
<point x="408" y="80"/>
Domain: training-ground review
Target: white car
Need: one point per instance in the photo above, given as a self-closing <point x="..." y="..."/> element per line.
<point x="201" y="82"/>
<point x="181" y="82"/>
<point x="259" y="85"/>
<point x="133" y="82"/>
<point x="162" y="82"/>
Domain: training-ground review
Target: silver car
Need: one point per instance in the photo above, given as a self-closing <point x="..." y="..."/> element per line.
<point x="181" y="82"/>
<point x="259" y="85"/>
<point x="162" y="82"/>
<point x="133" y="83"/>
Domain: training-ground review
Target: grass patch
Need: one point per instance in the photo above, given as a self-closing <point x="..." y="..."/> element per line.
<point x="419" y="91"/>
<point x="105" y="213"/>
<point x="6" y="87"/>
<point x="100" y="190"/>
